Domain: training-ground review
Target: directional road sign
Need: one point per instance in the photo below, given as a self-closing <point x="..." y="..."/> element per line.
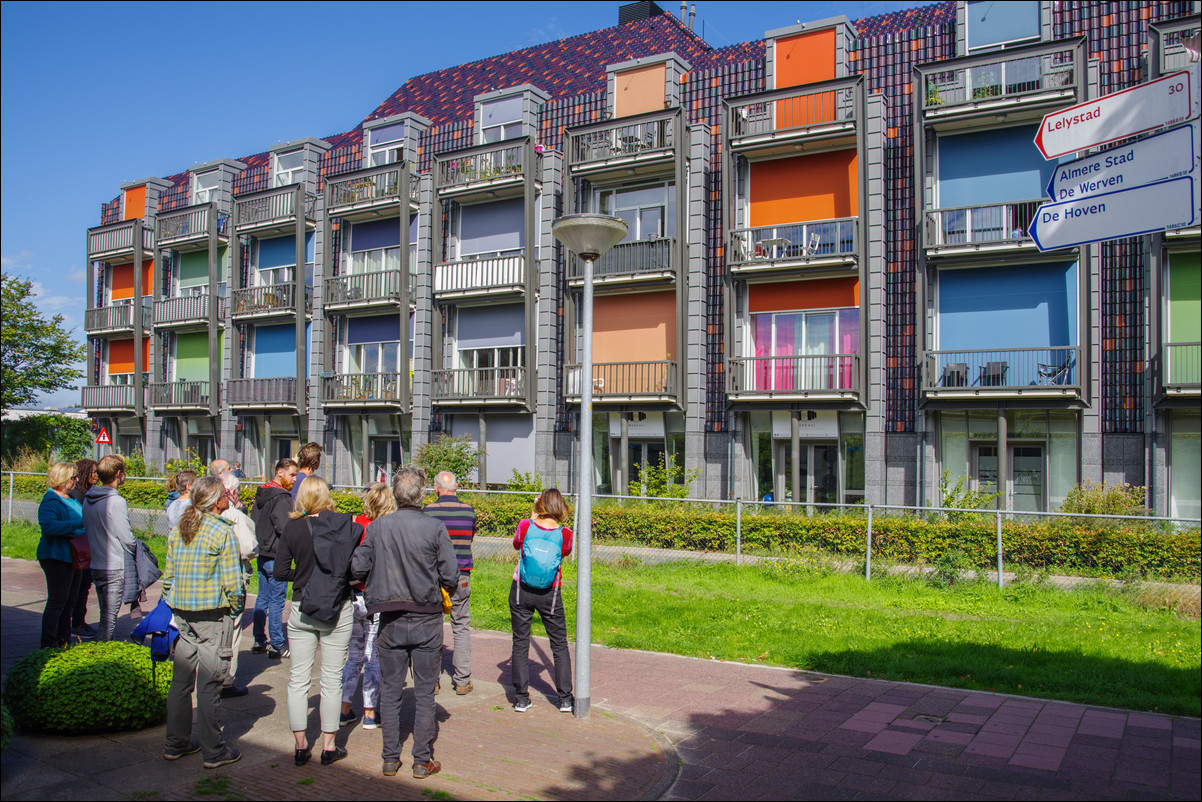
<point x="1111" y="215"/>
<point x="1148" y="107"/>
<point x="1155" y="158"/>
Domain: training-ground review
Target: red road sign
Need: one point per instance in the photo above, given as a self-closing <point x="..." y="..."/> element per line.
<point x="104" y="438"/>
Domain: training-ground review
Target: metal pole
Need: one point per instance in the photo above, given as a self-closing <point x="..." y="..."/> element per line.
<point x="868" y="550"/>
<point x="584" y="581"/>
<point x="738" y="531"/>
<point x="10" y="497"/>
<point x="999" y="549"/>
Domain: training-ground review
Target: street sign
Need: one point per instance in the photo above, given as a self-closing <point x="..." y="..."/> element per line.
<point x="103" y="438"/>
<point x="1148" y="107"/>
<point x="1155" y="158"/>
<point x="1111" y="215"/>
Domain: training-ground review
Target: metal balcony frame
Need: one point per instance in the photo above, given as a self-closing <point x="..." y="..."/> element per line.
<point x="500" y="186"/>
<point x="735" y="364"/>
<point x="669" y="394"/>
<point x="335" y="392"/>
<point x="820" y="135"/>
<point x="645" y="162"/>
<point x="514" y="394"/>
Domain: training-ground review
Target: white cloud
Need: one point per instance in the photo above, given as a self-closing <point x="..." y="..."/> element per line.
<point x="78" y="275"/>
<point x="55" y="303"/>
<point x="550" y="31"/>
<point x="22" y="260"/>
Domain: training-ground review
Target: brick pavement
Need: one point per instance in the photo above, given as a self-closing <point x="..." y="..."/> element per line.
<point x="707" y="729"/>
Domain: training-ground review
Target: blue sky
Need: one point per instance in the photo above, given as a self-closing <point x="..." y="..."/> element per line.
<point x="97" y="94"/>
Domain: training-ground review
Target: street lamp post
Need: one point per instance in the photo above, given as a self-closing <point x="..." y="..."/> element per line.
<point x="588" y="236"/>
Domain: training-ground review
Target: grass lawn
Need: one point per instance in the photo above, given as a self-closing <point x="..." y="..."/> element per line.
<point x="1093" y="645"/>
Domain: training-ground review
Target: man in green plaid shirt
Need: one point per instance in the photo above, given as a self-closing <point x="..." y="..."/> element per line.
<point x="204" y="585"/>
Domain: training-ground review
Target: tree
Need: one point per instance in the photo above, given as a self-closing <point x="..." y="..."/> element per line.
<point x="56" y="437"/>
<point x="458" y="455"/>
<point x="36" y="354"/>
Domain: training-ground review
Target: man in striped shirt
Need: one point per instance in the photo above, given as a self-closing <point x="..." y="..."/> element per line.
<point x="460" y="520"/>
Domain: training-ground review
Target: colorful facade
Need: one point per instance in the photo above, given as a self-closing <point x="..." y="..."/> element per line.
<point x="827" y="293"/>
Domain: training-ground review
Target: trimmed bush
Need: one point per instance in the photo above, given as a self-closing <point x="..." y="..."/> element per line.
<point x="6" y="727"/>
<point x="93" y="687"/>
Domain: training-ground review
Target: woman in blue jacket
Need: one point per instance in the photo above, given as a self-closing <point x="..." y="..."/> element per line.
<point x="61" y="519"/>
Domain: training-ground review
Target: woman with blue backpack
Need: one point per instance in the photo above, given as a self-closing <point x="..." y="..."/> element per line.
<point x="542" y="541"/>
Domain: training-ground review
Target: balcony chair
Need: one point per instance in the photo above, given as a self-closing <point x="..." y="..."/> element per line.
<point x="994" y="374"/>
<point x="1055" y="374"/>
<point x="955" y="374"/>
<point x="813" y="243"/>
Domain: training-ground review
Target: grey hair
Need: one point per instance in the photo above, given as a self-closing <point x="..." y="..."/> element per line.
<point x="408" y="486"/>
<point x="206" y="492"/>
<point x="445" y="480"/>
<point x="229" y="481"/>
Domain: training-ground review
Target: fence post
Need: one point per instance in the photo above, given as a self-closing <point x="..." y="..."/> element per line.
<point x="868" y="551"/>
<point x="999" y="549"/>
<point x="738" y="531"/>
<point x="10" y="497"/>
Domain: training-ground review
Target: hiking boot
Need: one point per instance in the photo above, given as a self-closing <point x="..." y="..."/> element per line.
<point x="230" y="755"/>
<point x="521" y="705"/>
<point x="423" y="770"/>
<point x="464" y="689"/>
<point x="175" y="753"/>
<point x="391" y="767"/>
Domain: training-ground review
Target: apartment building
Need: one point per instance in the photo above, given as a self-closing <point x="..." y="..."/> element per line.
<point x="827" y="292"/>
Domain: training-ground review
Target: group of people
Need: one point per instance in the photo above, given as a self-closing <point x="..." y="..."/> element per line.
<point x="369" y="593"/>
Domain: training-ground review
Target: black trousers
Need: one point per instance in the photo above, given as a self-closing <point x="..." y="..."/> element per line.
<point x="523" y="601"/>
<point x="79" y="616"/>
<point x="62" y="588"/>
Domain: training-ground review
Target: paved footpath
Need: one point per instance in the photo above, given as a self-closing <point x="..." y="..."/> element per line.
<point x="662" y="726"/>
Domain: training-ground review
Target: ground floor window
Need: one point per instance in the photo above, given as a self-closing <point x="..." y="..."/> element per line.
<point x="387" y="448"/>
<point x="1185" y="463"/>
<point x="827" y="466"/>
<point x="652" y="438"/>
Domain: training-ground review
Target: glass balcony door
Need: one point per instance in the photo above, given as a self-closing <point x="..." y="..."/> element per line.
<point x="1025" y="481"/>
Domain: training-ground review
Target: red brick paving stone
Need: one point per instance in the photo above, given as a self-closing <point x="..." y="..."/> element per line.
<point x="897" y="743"/>
<point x="1042" y="757"/>
<point x="992" y="750"/>
<point x="862" y="725"/>
<point x="961" y="738"/>
<point x="1180" y="742"/>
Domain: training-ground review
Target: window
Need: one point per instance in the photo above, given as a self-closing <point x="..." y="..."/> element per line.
<point x="501" y="119"/>
<point x="994" y="24"/>
<point x="375" y="246"/>
<point x="801" y="344"/>
<point x="385" y="144"/>
<point x="288" y="167"/>
<point x="491" y="230"/>
<point x="276" y="262"/>
<point x="204" y="186"/>
<point x="649" y="212"/>
<point x="511" y="357"/>
<point x="373" y="344"/>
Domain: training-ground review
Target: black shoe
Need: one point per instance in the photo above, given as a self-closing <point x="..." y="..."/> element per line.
<point x="337" y="753"/>
<point x="277" y="654"/>
<point x="303" y="755"/>
<point x="259" y="648"/>
<point x="232" y="691"/>
<point x="391" y="767"/>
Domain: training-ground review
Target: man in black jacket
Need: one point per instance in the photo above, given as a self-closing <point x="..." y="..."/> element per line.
<point x="403" y="560"/>
<point x="273" y="502"/>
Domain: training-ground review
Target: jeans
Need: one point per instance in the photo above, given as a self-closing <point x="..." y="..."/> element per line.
<point x="363" y="654"/>
<point x="409" y="639"/>
<point x="305" y="636"/>
<point x="62" y="587"/>
<point x="523" y="601"/>
<point x="269" y="608"/>
<point x="110" y="585"/>
<point x="201" y="658"/>
<point x="461" y="629"/>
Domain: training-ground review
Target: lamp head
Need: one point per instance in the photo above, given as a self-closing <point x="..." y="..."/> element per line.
<point x="589" y="235"/>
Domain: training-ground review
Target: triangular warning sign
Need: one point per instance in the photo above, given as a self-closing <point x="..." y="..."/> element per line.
<point x="103" y="437"/>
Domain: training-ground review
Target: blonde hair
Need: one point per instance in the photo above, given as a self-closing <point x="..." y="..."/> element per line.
<point x="379" y="501"/>
<point x="551" y="505"/>
<point x="59" y="474"/>
<point x="313" y="497"/>
<point x="206" y="492"/>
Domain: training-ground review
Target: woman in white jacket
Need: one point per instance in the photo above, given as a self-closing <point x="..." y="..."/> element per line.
<point x="248" y="546"/>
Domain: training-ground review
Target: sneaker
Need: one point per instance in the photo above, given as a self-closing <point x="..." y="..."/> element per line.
<point x="567" y="707"/>
<point x="335" y="754"/>
<point x="230" y="755"/>
<point x="371" y="722"/>
<point x="521" y="705"/>
<point x="175" y="753"/>
<point x="277" y="654"/>
<point x="347" y="718"/>
<point x="233" y="691"/>
<point x="422" y="770"/>
<point x="259" y="648"/>
<point x="85" y="632"/>
<point x="391" y="767"/>
<point x="464" y="689"/>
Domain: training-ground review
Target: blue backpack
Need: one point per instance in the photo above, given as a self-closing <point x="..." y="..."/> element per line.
<point x="542" y="552"/>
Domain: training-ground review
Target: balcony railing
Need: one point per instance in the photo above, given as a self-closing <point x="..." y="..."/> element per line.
<point x="362" y="289"/>
<point x="986" y="80"/>
<point x="799" y="375"/>
<point x="180" y="395"/>
<point x="1052" y="370"/>
<point x="188" y="224"/>
<point x="271" y="207"/>
<point x="480" y="276"/>
<point x="479" y="384"/>
<point x="620" y="380"/>
<point x="118" y="317"/>
<point x="1174" y="55"/>
<point x="1183" y="367"/>
<point x="623" y="140"/>
<point x="268" y="299"/>
<point x="109" y="397"/>
<point x="502" y="162"/>
<point x="994" y="224"/>
<point x="118" y="238"/>
<point x="274" y="392"/>
<point x="819" y="239"/>
<point x="363" y="389"/>
<point x="630" y="260"/>
<point x="368" y="188"/>
<point x="186" y="309"/>
<point x="794" y="110"/>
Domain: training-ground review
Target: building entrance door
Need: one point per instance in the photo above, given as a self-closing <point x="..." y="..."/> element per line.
<point x="818" y="469"/>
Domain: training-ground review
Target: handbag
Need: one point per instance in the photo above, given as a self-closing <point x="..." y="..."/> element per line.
<point x="81" y="552"/>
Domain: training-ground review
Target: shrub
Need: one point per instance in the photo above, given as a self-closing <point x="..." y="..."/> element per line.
<point x="6" y="727"/>
<point x="960" y="496"/>
<point x="189" y="462"/>
<point x="667" y="479"/>
<point x="1090" y="499"/>
<point x="52" y="437"/>
<point x="96" y="687"/>
<point x="455" y="454"/>
<point x="530" y="482"/>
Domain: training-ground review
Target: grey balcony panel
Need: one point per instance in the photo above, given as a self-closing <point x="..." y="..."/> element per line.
<point x="1182" y="368"/>
<point x="269" y="300"/>
<point x="184" y="310"/>
<point x="189" y="225"/>
<point x="1044" y="73"/>
<point x="479" y="385"/>
<point x="368" y="189"/>
<point x="118" y="239"/>
<point x="973" y="227"/>
<point x="1052" y="371"/>
<point x="626" y="381"/>
<point x="365" y="289"/>
<point x="483" y="166"/>
<point x="118" y="317"/>
<point x="796" y="112"/>
<point x="644" y="259"/>
<point x="796" y="376"/>
<point x="272" y="392"/>
<point x="468" y="277"/>
<point x="109" y="397"/>
<point x="625" y="140"/>
<point x="181" y="395"/>
<point x="816" y="241"/>
<point x="271" y="208"/>
<point x="364" y="390"/>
